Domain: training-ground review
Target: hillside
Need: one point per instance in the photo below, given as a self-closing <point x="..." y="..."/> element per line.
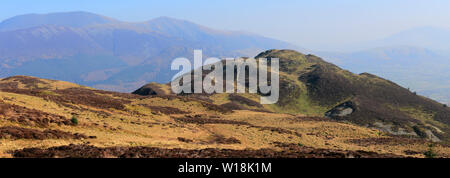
<point x="375" y="102"/>
<point x="313" y="87"/>
<point x="140" y="51"/>
<point x="49" y="118"/>
<point x="422" y="70"/>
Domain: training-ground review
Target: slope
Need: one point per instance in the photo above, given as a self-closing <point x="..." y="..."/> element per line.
<point x="48" y="118"/>
<point x="314" y="87"/>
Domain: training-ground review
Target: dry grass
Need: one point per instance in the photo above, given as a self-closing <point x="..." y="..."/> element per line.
<point x="139" y="125"/>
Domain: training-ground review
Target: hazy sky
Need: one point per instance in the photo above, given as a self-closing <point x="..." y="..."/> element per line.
<point x="314" y="24"/>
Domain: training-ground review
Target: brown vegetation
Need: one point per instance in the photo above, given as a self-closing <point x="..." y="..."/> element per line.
<point x="177" y="126"/>
<point x="24" y="133"/>
<point x="31" y="117"/>
<point x="290" y="151"/>
<point x="166" y="110"/>
<point x="199" y="119"/>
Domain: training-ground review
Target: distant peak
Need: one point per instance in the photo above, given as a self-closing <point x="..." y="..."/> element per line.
<point x="70" y="13"/>
<point x="276" y="52"/>
<point x="164" y="18"/>
<point x="167" y="19"/>
<point x="70" y="19"/>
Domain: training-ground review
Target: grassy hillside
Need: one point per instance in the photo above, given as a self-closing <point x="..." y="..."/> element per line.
<point x="48" y="118"/>
<point x="424" y="71"/>
<point x="375" y="102"/>
<point x="312" y="87"/>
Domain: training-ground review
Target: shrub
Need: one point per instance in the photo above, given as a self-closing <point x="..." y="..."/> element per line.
<point x="74" y="120"/>
<point x="299" y="144"/>
<point x="420" y="131"/>
<point x="430" y="153"/>
<point x="445" y="105"/>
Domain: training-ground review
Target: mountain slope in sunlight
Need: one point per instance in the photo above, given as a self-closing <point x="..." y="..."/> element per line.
<point x="314" y="87"/>
<point x="422" y="70"/>
<point x="49" y="118"/>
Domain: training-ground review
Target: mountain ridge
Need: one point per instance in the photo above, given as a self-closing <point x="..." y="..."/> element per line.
<point x="59" y="18"/>
<point x="143" y="46"/>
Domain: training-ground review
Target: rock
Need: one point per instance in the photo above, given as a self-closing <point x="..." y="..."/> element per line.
<point x="341" y="110"/>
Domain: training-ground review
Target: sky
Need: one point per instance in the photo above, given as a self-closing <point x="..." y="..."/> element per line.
<point x="313" y="24"/>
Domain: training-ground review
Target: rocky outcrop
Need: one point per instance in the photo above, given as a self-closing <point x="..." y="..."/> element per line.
<point x="341" y="110"/>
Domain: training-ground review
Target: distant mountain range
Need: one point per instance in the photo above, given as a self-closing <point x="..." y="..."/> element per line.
<point x="429" y="37"/>
<point x="422" y="70"/>
<point x="426" y="37"/>
<point x="105" y="53"/>
<point x="417" y="58"/>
